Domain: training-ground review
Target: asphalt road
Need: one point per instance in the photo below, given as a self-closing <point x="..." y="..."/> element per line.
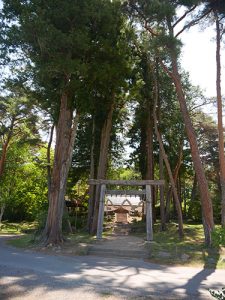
<point x="29" y="275"/>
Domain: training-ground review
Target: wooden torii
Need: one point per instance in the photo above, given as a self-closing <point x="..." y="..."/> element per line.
<point x="147" y="191"/>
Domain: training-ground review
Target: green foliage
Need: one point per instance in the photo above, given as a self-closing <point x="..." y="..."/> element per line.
<point x="218" y="237"/>
<point x="194" y="210"/>
<point x="24" y="185"/>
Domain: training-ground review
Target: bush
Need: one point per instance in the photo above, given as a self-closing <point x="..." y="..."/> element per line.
<point x="218" y="237"/>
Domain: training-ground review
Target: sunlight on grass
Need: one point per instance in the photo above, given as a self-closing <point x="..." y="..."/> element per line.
<point x="167" y="248"/>
<point x="17" y="228"/>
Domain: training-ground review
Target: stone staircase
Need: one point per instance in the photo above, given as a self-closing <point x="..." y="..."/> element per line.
<point x="121" y="229"/>
<point x="120" y="244"/>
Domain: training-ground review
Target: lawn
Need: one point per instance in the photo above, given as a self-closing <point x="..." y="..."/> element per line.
<point x="17" y="228"/>
<point x="167" y="248"/>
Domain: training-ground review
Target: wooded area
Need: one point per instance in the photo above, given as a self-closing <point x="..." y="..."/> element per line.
<point x="95" y="89"/>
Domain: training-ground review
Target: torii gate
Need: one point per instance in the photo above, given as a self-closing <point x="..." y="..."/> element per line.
<point x="147" y="191"/>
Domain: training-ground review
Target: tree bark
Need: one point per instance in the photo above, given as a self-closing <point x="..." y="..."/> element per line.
<point x="220" y="119"/>
<point x="203" y="185"/>
<point x="2" y="212"/>
<point x="49" y="160"/>
<point x="92" y="176"/>
<point x="206" y="203"/>
<point x="65" y="136"/>
<point x="175" y="177"/>
<point x="167" y="164"/>
<point x="161" y="193"/>
<point x="5" y="147"/>
<point x="150" y="161"/>
<point x="103" y="160"/>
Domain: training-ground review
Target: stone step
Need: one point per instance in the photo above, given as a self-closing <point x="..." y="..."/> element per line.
<point x="121" y="229"/>
<point x="110" y="252"/>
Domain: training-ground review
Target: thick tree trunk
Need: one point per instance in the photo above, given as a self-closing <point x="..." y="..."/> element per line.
<point x="220" y="120"/>
<point x="49" y="160"/>
<point x="103" y="160"/>
<point x="65" y="137"/>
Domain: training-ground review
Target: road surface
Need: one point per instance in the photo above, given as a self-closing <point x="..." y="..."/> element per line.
<point x="31" y="275"/>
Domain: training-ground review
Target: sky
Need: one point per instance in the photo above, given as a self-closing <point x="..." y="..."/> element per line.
<point x="198" y="58"/>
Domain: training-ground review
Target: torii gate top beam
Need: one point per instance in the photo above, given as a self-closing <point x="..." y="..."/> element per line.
<point x="126" y="182"/>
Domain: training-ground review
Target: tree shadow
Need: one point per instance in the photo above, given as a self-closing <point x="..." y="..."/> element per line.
<point x="30" y="273"/>
<point x="211" y="258"/>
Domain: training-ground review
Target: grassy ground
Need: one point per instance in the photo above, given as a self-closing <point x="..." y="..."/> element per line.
<point x="75" y="244"/>
<point x="17" y="228"/>
<point x="166" y="248"/>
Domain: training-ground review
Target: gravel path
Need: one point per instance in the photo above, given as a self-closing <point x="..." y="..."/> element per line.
<point x="29" y="275"/>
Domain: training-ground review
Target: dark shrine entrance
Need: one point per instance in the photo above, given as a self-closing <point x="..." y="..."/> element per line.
<point x="145" y="191"/>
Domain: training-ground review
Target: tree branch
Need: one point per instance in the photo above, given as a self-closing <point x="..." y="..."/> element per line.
<point x="194" y="22"/>
<point x="184" y="15"/>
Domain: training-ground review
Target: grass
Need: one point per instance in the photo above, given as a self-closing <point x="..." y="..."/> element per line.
<point x="24" y="241"/>
<point x="167" y="248"/>
<point x="17" y="228"/>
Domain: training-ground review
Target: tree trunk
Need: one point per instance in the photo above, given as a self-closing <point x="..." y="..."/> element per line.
<point x="220" y="119"/>
<point x="3" y="158"/>
<point x="2" y="212"/>
<point x="5" y="146"/>
<point x="65" y="136"/>
<point x="168" y="202"/>
<point x="92" y="176"/>
<point x="103" y="160"/>
<point x="49" y="160"/>
<point x="202" y="182"/>
<point x="150" y="162"/>
<point x="161" y="169"/>
<point x="161" y="193"/>
<point x="206" y="203"/>
<point x="167" y="164"/>
<point x="194" y="189"/>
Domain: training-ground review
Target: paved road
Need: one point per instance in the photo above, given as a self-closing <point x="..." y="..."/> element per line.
<point x="28" y="275"/>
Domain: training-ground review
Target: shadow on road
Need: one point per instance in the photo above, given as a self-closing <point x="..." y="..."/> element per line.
<point x="211" y="257"/>
<point x="25" y="274"/>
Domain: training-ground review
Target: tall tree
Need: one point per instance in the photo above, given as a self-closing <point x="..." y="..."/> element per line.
<point x="159" y="19"/>
<point x="58" y="39"/>
<point x="219" y="33"/>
